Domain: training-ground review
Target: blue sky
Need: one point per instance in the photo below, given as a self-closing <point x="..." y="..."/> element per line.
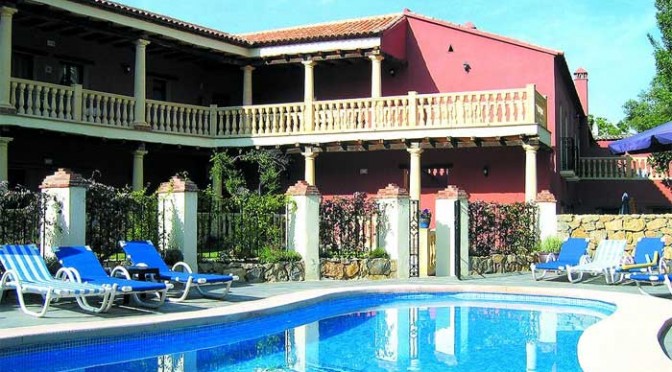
<point x="606" y="37"/>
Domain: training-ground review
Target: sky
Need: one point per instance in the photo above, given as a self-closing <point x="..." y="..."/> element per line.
<point x="608" y="38"/>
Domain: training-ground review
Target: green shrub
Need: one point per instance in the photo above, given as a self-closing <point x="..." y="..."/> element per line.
<point x="271" y="255"/>
<point x="379" y="253"/>
<point x="551" y="244"/>
<point x="172" y="256"/>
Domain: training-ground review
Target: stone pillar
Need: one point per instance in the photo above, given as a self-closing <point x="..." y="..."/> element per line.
<point x="376" y="75"/>
<point x="247" y="84"/>
<point x="452" y="247"/>
<point x="395" y="239"/>
<point x="309" y="156"/>
<point x="139" y="87"/>
<point x="4" y="158"/>
<point x="138" y="168"/>
<point x="178" y="206"/>
<point x="303" y="226"/>
<point x="548" y="219"/>
<point x="530" y="172"/>
<point x="308" y="94"/>
<point x="6" y="14"/>
<point x="65" y="215"/>
<point x="415" y="171"/>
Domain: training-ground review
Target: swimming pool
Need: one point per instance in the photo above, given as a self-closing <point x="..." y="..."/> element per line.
<point x="354" y="332"/>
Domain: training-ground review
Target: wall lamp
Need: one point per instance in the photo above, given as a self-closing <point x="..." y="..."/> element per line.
<point x="125" y="68"/>
<point x="486" y="171"/>
<point x="392" y="71"/>
<point x="467" y="66"/>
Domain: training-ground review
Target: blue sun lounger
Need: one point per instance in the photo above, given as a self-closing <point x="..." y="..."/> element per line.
<point x="646" y="259"/>
<point x="86" y="267"/>
<point x="143" y="253"/>
<point x="572" y="252"/>
<point x="26" y="272"/>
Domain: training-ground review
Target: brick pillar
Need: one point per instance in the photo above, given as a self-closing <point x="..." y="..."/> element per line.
<point x="303" y="226"/>
<point x="548" y="219"/>
<point x="452" y="248"/>
<point x="65" y="215"/>
<point x="178" y="206"/>
<point x="395" y="238"/>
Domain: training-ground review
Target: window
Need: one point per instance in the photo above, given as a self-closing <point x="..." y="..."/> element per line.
<point x="71" y="73"/>
<point x="159" y="90"/>
<point x="22" y="66"/>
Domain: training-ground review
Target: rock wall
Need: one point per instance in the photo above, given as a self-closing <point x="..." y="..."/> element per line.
<point x="337" y="269"/>
<point x="630" y="227"/>
<point x="500" y="263"/>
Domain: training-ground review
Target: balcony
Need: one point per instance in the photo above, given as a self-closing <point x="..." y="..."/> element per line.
<point x="618" y="168"/>
<point x="476" y="114"/>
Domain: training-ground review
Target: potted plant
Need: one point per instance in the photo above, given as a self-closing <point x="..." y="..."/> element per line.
<point x="425" y="218"/>
<point x="549" y="245"/>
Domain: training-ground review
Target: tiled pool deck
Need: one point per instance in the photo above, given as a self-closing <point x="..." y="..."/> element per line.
<point x="247" y="297"/>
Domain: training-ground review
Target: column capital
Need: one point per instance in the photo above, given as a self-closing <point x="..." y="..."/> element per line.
<point x="6" y="11"/>
<point x="531" y="148"/>
<point x="141" y="43"/>
<point x="415" y="151"/>
<point x="140" y="153"/>
<point x="310" y="154"/>
<point x="376" y="57"/>
<point x="308" y="63"/>
<point x="248" y="68"/>
<point x="5" y="140"/>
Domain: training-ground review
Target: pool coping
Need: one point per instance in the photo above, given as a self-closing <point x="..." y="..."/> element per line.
<point x="635" y="329"/>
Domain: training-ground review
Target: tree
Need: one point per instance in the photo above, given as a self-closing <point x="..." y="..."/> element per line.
<point x="605" y="127"/>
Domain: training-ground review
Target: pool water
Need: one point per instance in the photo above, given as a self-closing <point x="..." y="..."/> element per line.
<point x="375" y="332"/>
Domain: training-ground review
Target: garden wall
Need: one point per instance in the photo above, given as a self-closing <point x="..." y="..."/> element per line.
<point x="338" y="269"/>
<point x="629" y="227"/>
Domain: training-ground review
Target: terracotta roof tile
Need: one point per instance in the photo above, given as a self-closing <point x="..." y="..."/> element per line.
<point x="361" y="27"/>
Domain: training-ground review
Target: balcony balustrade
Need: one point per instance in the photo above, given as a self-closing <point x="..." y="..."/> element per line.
<point x="410" y="112"/>
<point x="618" y="167"/>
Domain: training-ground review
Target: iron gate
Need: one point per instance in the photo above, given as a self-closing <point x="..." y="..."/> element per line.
<point x="414" y="239"/>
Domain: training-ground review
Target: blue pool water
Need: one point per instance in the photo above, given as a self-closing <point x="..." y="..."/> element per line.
<point x="372" y="332"/>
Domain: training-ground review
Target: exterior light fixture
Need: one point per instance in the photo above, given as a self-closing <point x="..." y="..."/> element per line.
<point x="392" y="71"/>
<point x="467" y="66"/>
<point x="486" y="171"/>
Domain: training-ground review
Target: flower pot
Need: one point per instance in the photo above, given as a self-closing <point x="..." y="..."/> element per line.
<point x="424" y="222"/>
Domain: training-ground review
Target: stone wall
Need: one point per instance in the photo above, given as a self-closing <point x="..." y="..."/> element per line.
<point x="337" y="269"/>
<point x="630" y="227"/>
<point x="347" y="269"/>
<point x="500" y="263"/>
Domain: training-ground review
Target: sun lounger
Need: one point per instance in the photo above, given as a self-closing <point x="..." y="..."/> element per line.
<point x="646" y="258"/>
<point x="143" y="253"/>
<point x="26" y="272"/>
<point x="608" y="256"/>
<point x="572" y="252"/>
<point x="86" y="267"/>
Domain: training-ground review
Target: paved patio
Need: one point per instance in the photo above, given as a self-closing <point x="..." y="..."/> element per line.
<point x="12" y="317"/>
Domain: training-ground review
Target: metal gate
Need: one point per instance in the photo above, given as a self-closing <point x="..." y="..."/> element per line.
<point x="414" y="239"/>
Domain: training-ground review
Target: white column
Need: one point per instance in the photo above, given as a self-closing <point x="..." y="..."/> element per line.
<point x="309" y="156"/>
<point x="178" y="205"/>
<point x="308" y="94"/>
<point x="303" y="226"/>
<point x="530" y="172"/>
<point x="65" y="217"/>
<point x="247" y="84"/>
<point x="452" y="247"/>
<point x="415" y="171"/>
<point x="395" y="239"/>
<point x="376" y="75"/>
<point x="6" y="14"/>
<point x="548" y="218"/>
<point x="140" y="83"/>
<point x="4" y="158"/>
<point x="138" y="168"/>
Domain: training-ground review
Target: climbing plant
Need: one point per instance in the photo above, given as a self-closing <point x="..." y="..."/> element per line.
<point x="498" y="228"/>
<point x="22" y="215"/>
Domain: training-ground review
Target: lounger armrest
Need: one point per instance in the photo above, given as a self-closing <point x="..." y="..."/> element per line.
<point x="68" y="273"/>
<point x="10" y="276"/>
<point x="120" y="270"/>
<point x="235" y="277"/>
<point x="585" y="259"/>
<point x="627" y="260"/>
<point x="184" y="265"/>
<point x="551" y="257"/>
